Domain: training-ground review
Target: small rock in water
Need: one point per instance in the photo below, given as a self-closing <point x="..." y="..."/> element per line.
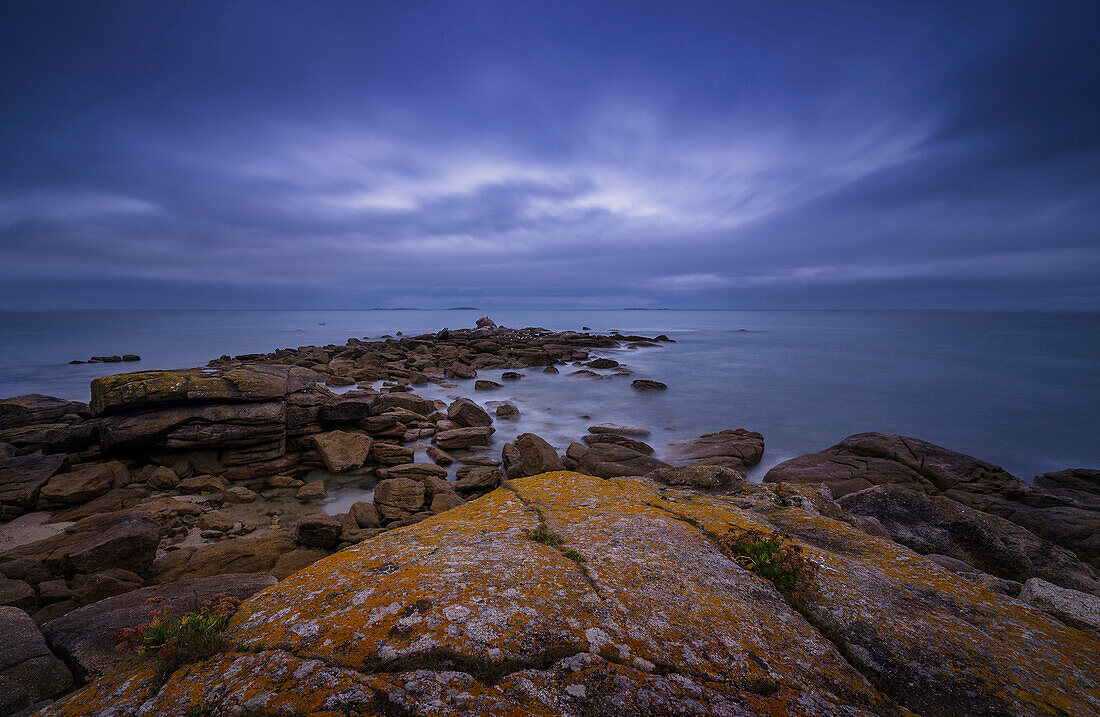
<point x="507" y="411"/>
<point x="550" y="370"/>
<point x="511" y="376"/>
<point x="130" y="357"/>
<point x="644" y="384"/>
<point x="484" y="385"/>
<point x="621" y="430"/>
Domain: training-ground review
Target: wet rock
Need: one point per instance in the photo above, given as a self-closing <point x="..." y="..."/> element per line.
<point x="734" y="448"/>
<point x="511" y="460"/>
<point x="408" y="402"/>
<point x="398" y="498"/>
<point x="439" y="455"/>
<point x="618" y="440"/>
<point x="86" y="637"/>
<point x="463" y="437"/>
<point x="476" y="480"/>
<point x="551" y="370"/>
<point x="536" y="455"/>
<point x="319" y="530"/>
<point x="416" y="471"/>
<point x="507" y="411"/>
<point x="391" y="454"/>
<point x="644" y="384"/>
<point x="620" y="430"/>
<point x="705" y="477"/>
<point x="511" y="376"/>
<point x="29" y="672"/>
<point x="486" y="323"/>
<point x="312" y="491"/>
<point x="486" y="385"/>
<point x="931" y="524"/>
<point x="1073" y="607"/>
<point x="364" y="514"/>
<point x="465" y="412"/>
<point x="341" y="450"/>
<point x="443" y="501"/>
<point x="607" y="460"/>
<point x="351" y="407"/>
<point x="602" y="363"/>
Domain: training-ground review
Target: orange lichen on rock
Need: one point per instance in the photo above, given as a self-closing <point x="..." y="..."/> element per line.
<point x="464" y="613"/>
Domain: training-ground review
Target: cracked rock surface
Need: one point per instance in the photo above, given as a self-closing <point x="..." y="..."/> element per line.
<point x="464" y="613"/>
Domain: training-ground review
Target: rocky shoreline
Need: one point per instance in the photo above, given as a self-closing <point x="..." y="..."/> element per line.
<point x="204" y="481"/>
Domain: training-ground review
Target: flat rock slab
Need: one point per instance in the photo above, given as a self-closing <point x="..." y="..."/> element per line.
<point x="86" y="636"/>
<point x="36" y="408"/>
<point x="29" y="672"/>
<point x="464" y="613"/>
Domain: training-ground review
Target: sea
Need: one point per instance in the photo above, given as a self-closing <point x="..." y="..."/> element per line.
<point x="1018" y="389"/>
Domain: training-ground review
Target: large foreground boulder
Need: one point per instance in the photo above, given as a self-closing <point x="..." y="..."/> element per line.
<point x="29" y="672"/>
<point x="1067" y="517"/>
<point x="86" y="637"/>
<point x="934" y="524"/>
<point x="634" y="610"/>
<point x="536" y="455"/>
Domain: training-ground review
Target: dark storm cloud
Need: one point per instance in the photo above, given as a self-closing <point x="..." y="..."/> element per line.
<point x="428" y="154"/>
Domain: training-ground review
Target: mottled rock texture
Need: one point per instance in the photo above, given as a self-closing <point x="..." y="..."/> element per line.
<point x="1062" y="507"/>
<point x="464" y="613"/>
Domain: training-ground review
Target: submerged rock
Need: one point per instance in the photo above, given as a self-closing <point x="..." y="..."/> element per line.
<point x="465" y="613"/>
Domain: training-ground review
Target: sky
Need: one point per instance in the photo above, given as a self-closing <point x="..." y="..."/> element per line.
<point x="722" y="155"/>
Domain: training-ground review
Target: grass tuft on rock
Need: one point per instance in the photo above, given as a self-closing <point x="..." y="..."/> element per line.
<point x="769" y="555"/>
<point x="177" y="640"/>
<point x="543" y="535"/>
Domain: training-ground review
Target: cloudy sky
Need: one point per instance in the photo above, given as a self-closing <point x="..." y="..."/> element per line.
<point x="545" y="154"/>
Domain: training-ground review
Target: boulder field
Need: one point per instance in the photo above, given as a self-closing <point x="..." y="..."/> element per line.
<point x="637" y="609"/>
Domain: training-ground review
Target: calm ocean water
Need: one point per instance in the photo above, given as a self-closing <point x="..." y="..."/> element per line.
<point x="1018" y="389"/>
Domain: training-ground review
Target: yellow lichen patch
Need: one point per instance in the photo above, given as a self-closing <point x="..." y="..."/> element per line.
<point x="470" y="581"/>
<point x="122" y="690"/>
<point x="673" y="598"/>
<point x="905" y="619"/>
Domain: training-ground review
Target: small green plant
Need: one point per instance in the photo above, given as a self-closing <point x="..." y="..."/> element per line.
<point x="769" y="555"/>
<point x="574" y="555"/>
<point x="200" y="711"/>
<point x="177" y="640"/>
<point x="543" y="535"/>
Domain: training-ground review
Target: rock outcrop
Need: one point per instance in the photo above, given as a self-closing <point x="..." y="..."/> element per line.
<point x="1069" y="517"/>
<point x="636" y="611"/>
<point x="934" y="524"/>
